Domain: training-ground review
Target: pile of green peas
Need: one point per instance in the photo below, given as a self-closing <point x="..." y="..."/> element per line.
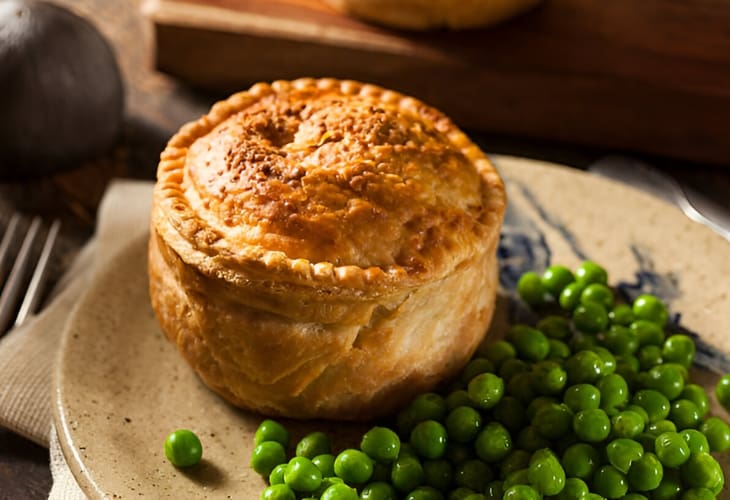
<point x="593" y="401"/>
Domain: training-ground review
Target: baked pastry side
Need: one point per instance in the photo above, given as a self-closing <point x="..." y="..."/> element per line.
<point x="324" y="248"/>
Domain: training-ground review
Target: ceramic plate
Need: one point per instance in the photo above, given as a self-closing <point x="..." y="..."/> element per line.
<point x="121" y="387"/>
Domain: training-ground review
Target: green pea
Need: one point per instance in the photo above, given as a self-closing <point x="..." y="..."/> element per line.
<point x="583" y="367"/>
<point x="670" y="487"/>
<point x="695" y="440"/>
<point x="475" y="367"/>
<point x="627" y="424"/>
<point x="660" y="426"/>
<point x="313" y="444"/>
<point x="591" y="272"/>
<point x="553" y="421"/>
<point x="545" y="473"/>
<point x="701" y="470"/>
<point x="429" y="439"/>
<point x="722" y="391"/>
<point x="521" y="492"/>
<point x="493" y="442"/>
<point x="339" y="491"/>
<point x="650" y="308"/>
<point x="530" y="439"/>
<point x="667" y="379"/>
<point x="590" y="317"/>
<point x="531" y="289"/>
<point x="494" y="490"/>
<point x="498" y="352"/>
<point x="271" y="430"/>
<point x="278" y="492"/>
<point x="485" y="390"/>
<point x="531" y="344"/>
<point x="698" y="396"/>
<point x="638" y="410"/>
<point x="538" y="403"/>
<point x="325" y="463"/>
<point x="654" y="402"/>
<point x="570" y="296"/>
<point x="582" y="341"/>
<point x="555" y="278"/>
<point x="671" y="449"/>
<point x="512" y="367"/>
<point x="609" y="482"/>
<point x="622" y="452"/>
<point x="599" y="294"/>
<point x="645" y="473"/>
<point x="473" y="474"/>
<point x="614" y="391"/>
<point x="621" y="340"/>
<point x="438" y="474"/>
<point x="326" y="483"/>
<point x="558" y="350"/>
<point x="428" y="406"/>
<point x="685" y="414"/>
<point x="698" y="494"/>
<point x="463" y="424"/>
<point x="591" y="426"/>
<point x="555" y="327"/>
<point x="717" y="433"/>
<point x="353" y="466"/>
<point x="581" y="460"/>
<point x="378" y="490"/>
<point x="649" y="356"/>
<point x="381" y="444"/>
<point x="424" y="493"/>
<point x="458" y="398"/>
<point x="277" y="474"/>
<point x="520" y="386"/>
<point x="582" y="397"/>
<point x="462" y="493"/>
<point x="549" y="377"/>
<point x="266" y="456"/>
<point x="510" y="412"/>
<point x="516" y="477"/>
<point x="407" y="474"/>
<point x="302" y="475"/>
<point x="679" y="349"/>
<point x="575" y="489"/>
<point x="516" y="460"/>
<point x="648" y="332"/>
<point x="593" y="496"/>
<point x="183" y="449"/>
<point x="621" y="314"/>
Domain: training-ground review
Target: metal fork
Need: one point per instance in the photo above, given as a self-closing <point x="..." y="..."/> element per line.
<point x="15" y="266"/>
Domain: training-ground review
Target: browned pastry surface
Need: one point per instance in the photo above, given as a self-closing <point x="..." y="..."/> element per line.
<point x="313" y="239"/>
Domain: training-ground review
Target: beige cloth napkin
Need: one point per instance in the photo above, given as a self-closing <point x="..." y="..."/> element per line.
<point x="27" y="353"/>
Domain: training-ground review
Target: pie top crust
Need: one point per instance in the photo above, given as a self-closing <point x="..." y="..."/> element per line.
<point x="341" y="186"/>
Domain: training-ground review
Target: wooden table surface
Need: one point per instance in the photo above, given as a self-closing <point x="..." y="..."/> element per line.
<point x="156" y="106"/>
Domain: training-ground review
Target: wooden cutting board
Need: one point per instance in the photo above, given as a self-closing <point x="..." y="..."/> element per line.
<point x="650" y="76"/>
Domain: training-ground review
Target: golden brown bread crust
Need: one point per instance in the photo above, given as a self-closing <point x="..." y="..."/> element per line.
<point x="324" y="248"/>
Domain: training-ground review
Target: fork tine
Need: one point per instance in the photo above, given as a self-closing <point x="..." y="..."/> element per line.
<point x="6" y="245"/>
<point x="37" y="283"/>
<point x="11" y="291"/>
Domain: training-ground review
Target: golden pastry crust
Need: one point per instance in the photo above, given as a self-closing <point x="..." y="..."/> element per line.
<point x="310" y="239"/>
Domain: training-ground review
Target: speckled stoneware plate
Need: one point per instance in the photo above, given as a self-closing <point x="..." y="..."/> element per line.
<point x="121" y="387"/>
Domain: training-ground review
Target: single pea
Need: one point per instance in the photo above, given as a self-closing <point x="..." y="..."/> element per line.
<point x="326" y="483"/>
<point x="580" y="397"/>
<point x="531" y="344"/>
<point x="516" y="477"/>
<point x="548" y="377"/>
<point x="590" y="272"/>
<point x="627" y="424"/>
<point x="581" y="460"/>
<point x="654" y="402"/>
<point x="512" y="367"/>
<point x="353" y="466"/>
<point x="424" y="493"/>
<point x="458" y="398"/>
<point x="583" y="367"/>
<point x="622" y="452"/>
<point x="698" y="494"/>
<point x="378" y="490"/>
<point x="555" y="278"/>
<point x="381" y="444"/>
<point x="475" y="367"/>
<point x="575" y="489"/>
<point x="555" y="327"/>
<point x="621" y="340"/>
<point x="271" y="430"/>
<point x="685" y="414"/>
<point x="531" y="289"/>
<point x="429" y="439"/>
<point x="438" y="474"/>
<point x="278" y="492"/>
<point x="302" y="475"/>
<point x="339" y="491"/>
<point x="325" y="463"/>
<point x="599" y="294"/>
<point x="591" y="426"/>
<point x="428" y="406"/>
<point x="530" y="439"/>
<point x="559" y="350"/>
<point x="695" y="440"/>
<point x="590" y="317"/>
<point x="494" y="490"/>
<point x="609" y="482"/>
<point x="645" y="473"/>
<point x="463" y="424"/>
<point x="665" y="378"/>
<point x="545" y="473"/>
<point x="520" y="386"/>
<point x="407" y="474"/>
<point x="521" y="492"/>
<point x="648" y="332"/>
<point x="614" y="391"/>
<point x="510" y="412"/>
<point x="493" y="442"/>
<point x="569" y="298"/>
<point x="609" y="360"/>
<point x="277" y="474"/>
<point x="639" y="410"/>
<point x="516" y="460"/>
<point x="717" y="433"/>
<point x="649" y="356"/>
<point x="650" y="308"/>
<point x="671" y="449"/>
<point x="498" y="352"/>
<point x="313" y="444"/>
<point x="183" y="449"/>
<point x="701" y="470"/>
<point x="679" y="349"/>
<point x="722" y="391"/>
<point x="670" y="487"/>
<point x="473" y="474"/>
<point x="698" y="396"/>
<point x="266" y="456"/>
<point x="537" y="403"/>
<point x="660" y="426"/>
<point x="485" y="390"/>
<point x="553" y="421"/>
<point x="621" y="314"/>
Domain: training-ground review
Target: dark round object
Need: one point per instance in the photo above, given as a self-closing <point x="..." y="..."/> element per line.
<point x="62" y="95"/>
